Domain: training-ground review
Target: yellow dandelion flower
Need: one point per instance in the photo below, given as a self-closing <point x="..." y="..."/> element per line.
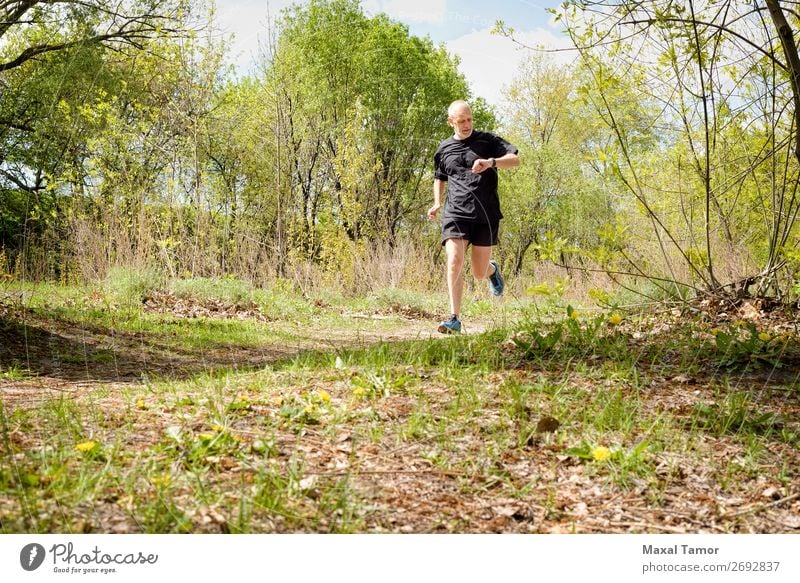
<point x="324" y="395"/>
<point x="206" y="436"/>
<point x="574" y="315"/>
<point x="764" y="336"/>
<point x="614" y="319"/>
<point x="217" y="428"/>
<point x="359" y="392"/>
<point x="601" y="453"/>
<point x="140" y="404"/>
<point x="162" y="481"/>
<point x="86" y="446"/>
<point x="716" y="331"/>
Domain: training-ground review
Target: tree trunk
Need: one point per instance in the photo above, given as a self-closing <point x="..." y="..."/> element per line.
<point x="792" y="60"/>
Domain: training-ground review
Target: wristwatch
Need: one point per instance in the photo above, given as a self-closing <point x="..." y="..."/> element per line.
<point x="494" y="162"/>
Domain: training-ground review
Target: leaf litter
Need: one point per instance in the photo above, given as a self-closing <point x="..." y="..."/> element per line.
<point x="430" y="454"/>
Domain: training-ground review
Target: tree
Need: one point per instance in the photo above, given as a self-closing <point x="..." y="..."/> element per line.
<point x="361" y="109"/>
<point x="704" y="64"/>
<point x="556" y="190"/>
<point x="32" y="28"/>
<point x="77" y="114"/>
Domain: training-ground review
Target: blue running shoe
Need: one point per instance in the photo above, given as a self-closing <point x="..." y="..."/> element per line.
<point x="451" y="326"/>
<point x="496" y="283"/>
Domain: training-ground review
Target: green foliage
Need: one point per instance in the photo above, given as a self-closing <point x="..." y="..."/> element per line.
<point x="736" y="414"/>
<point x="153" y="154"/>
<point x="370" y="384"/>
<point x="742" y="344"/>
<point x="568" y="337"/>
<point x="370" y="103"/>
<point x="13" y="373"/>
<point x="554" y="201"/>
<point x="201" y="449"/>
<point x="306" y="408"/>
<point x="130" y="286"/>
<point x="63" y="111"/>
<point x="280" y="302"/>
<point x="682" y="154"/>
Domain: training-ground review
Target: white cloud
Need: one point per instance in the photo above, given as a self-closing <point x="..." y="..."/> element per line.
<point x="247" y="22"/>
<point x="490" y="61"/>
<point x="427" y="11"/>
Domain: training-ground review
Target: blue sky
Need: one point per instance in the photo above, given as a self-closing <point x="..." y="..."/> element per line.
<point x="445" y="20"/>
<point x="463" y="26"/>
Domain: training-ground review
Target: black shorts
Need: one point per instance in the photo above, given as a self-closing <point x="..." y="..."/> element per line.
<point x="480" y="234"/>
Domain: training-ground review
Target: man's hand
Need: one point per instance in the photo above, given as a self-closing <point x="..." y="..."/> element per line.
<point x="432" y="212"/>
<point x="480" y="165"/>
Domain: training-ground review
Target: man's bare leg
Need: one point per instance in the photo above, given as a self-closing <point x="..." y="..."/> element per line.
<point x="480" y="262"/>
<point x="483" y="267"/>
<point x="455" y="249"/>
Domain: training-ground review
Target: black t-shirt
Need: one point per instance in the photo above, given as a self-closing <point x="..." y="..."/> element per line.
<point x="470" y="196"/>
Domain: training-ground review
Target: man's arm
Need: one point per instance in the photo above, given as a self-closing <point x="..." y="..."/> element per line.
<point x="439" y="187"/>
<point x="505" y="161"/>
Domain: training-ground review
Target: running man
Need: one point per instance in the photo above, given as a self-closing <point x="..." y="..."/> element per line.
<point x="465" y="165"/>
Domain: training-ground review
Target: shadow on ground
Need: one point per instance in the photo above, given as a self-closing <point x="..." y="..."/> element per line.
<point x="67" y="351"/>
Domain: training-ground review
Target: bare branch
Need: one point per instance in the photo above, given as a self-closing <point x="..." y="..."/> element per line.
<point x="133" y="29"/>
<point x="13" y="13"/>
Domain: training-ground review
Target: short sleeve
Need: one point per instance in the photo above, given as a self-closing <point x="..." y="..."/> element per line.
<point x="502" y="147"/>
<point x="438" y="169"/>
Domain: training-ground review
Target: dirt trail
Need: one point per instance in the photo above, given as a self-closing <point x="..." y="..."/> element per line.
<point x="57" y="357"/>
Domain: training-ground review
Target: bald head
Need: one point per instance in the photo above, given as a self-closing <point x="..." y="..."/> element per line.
<point x="459" y="117"/>
<point x="458" y="106"/>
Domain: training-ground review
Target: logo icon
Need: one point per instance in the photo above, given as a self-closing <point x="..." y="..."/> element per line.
<point x="31" y="556"/>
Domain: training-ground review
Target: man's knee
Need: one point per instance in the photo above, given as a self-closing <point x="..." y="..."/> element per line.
<point x="455" y="249"/>
<point x="481" y="272"/>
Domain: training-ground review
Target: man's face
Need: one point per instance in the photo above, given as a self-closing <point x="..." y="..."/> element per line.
<point x="461" y="122"/>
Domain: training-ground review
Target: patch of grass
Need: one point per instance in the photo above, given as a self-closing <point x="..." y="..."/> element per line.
<point x="575" y="335"/>
<point x="479" y="307"/>
<point x="613" y="410"/>
<point x="455" y="351"/>
<point x="130" y="286"/>
<point x="516" y="397"/>
<point x="226" y="289"/>
<point x="284" y="303"/>
<point x="734" y="413"/>
<point x="373" y="384"/>
<point x="13" y="373"/>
